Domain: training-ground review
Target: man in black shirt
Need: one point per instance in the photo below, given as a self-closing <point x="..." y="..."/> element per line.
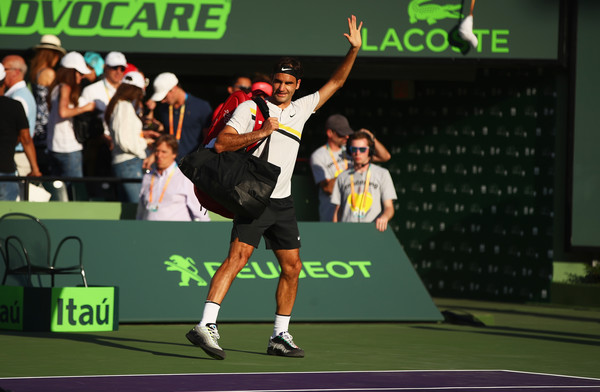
<point x="14" y="128"/>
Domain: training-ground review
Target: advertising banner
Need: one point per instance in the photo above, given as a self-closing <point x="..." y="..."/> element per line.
<point x="59" y="309"/>
<point x="507" y="29"/>
<point x="351" y="272"/>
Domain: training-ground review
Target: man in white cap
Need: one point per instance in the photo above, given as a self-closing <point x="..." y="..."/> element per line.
<point x="14" y="128"/>
<point x="97" y="155"/>
<point x="16" y="68"/>
<point x="330" y="160"/>
<point x="102" y="91"/>
<point x="182" y="114"/>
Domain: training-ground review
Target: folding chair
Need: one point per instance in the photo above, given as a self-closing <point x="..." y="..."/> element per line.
<point x="27" y="249"/>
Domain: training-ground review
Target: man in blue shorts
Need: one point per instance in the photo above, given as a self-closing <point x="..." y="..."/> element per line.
<point x="278" y="223"/>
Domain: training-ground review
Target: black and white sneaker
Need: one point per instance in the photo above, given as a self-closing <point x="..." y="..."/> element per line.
<point x="206" y="337"/>
<point x="283" y="345"/>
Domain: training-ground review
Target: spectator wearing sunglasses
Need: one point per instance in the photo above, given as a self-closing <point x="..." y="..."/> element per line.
<point x="103" y="90"/>
<point x="330" y="160"/>
<point x="365" y="192"/>
<point x="96" y="154"/>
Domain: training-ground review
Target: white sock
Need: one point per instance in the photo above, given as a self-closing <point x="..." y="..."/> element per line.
<point x="210" y="313"/>
<point x="282" y="324"/>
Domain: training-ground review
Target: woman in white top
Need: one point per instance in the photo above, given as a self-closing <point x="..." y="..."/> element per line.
<point x="63" y="147"/>
<point x="130" y="141"/>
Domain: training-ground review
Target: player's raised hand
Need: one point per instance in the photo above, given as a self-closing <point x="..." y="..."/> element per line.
<point x="354" y="36"/>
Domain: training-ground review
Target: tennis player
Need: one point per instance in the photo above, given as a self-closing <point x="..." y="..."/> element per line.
<point x="277" y="225"/>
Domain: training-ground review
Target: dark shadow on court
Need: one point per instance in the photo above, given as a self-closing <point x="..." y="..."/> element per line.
<point x="582" y="339"/>
<point x="523" y="313"/>
<point x="108" y="341"/>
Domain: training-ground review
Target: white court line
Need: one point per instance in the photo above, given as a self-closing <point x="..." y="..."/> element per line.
<point x="551" y="375"/>
<point x="334" y="372"/>
<point x="508" y="388"/>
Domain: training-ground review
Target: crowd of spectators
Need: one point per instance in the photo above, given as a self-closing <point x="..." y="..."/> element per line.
<point x="59" y="87"/>
<point x="63" y="91"/>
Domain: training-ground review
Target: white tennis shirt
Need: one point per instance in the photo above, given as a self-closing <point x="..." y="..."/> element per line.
<point x="285" y="141"/>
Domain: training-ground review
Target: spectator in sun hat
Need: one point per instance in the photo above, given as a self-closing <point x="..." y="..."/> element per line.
<point x="126" y="130"/>
<point x="97" y="154"/>
<point x="64" y="149"/>
<point x="41" y="75"/>
<point x="51" y="42"/>
<point x="182" y="114"/>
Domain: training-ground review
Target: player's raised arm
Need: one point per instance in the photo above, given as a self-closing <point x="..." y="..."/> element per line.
<point x="340" y="75"/>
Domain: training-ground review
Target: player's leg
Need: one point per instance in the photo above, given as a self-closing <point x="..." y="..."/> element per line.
<point x="239" y="253"/>
<point x="289" y="260"/>
<point x="281" y="342"/>
<point x="245" y="236"/>
<point x="205" y="334"/>
<point x="284" y="238"/>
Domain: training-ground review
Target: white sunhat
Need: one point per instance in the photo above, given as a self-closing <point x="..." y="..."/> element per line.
<point x="50" y="41"/>
<point x="75" y="61"/>
<point x="163" y="84"/>
<point x="135" y="79"/>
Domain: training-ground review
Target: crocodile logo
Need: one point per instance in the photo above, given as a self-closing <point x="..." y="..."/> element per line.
<point x="419" y="10"/>
<point x="187" y="267"/>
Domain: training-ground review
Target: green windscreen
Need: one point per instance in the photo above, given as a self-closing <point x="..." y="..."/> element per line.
<point x="585" y="218"/>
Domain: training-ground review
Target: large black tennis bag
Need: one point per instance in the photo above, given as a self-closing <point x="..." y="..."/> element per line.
<point x="237" y="180"/>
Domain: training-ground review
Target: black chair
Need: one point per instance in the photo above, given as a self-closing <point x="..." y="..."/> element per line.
<point x="27" y="249"/>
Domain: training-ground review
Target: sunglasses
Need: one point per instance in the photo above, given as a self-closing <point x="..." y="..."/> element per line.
<point x="358" y="149"/>
<point x="118" y="67"/>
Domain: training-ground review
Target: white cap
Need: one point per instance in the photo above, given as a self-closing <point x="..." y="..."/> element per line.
<point x="163" y="84"/>
<point x="2" y="72"/>
<point x="114" y="59"/>
<point x="135" y="79"/>
<point x="75" y="61"/>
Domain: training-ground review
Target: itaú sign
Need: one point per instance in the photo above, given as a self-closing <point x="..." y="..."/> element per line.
<point x="195" y="19"/>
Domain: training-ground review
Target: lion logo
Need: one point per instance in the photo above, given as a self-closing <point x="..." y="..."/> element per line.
<point x="187" y="267"/>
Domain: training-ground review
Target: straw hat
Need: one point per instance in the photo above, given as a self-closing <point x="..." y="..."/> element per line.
<point x="50" y="41"/>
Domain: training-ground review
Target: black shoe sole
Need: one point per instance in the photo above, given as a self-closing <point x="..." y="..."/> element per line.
<point x="292" y="354"/>
<point x="192" y="337"/>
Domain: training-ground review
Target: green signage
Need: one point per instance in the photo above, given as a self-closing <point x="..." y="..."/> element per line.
<point x="349" y="272"/>
<point x="83" y="309"/>
<point x="59" y="309"/>
<point x="186" y="268"/>
<point x="507" y="29"/>
<point x="11" y="307"/>
<point x="192" y="19"/>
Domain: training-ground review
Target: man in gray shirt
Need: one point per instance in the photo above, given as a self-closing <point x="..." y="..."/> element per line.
<point x="366" y="192"/>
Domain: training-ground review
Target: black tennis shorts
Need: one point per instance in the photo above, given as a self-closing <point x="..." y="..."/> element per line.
<point x="277" y="225"/>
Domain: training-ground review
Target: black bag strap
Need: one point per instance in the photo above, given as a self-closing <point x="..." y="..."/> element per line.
<point x="261" y="104"/>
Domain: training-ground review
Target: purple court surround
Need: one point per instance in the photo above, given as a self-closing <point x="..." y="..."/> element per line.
<point x="425" y="380"/>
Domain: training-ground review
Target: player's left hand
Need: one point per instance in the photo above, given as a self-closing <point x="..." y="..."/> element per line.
<point x="354" y="36"/>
